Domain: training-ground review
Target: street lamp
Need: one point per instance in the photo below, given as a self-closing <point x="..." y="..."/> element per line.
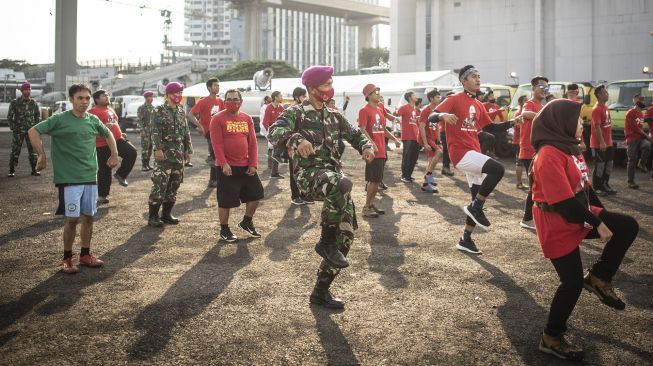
<point x="647" y="71"/>
<point x="514" y="77"/>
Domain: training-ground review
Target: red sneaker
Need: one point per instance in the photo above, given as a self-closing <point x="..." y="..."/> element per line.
<point x="90" y="260"/>
<point x="69" y="266"/>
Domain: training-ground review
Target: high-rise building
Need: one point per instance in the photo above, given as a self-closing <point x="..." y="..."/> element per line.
<point x="221" y="35"/>
<point x="580" y="40"/>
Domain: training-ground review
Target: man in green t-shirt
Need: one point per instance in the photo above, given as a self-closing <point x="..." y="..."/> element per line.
<point x="74" y="163"/>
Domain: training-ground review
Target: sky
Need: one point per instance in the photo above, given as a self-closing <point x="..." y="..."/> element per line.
<point x="106" y="29"/>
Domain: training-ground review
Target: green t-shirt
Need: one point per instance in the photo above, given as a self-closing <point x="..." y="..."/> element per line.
<point x="73" y="146"/>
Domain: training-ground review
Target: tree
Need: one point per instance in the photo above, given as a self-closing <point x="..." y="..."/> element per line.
<point x="17" y="65"/>
<point x="373" y="56"/>
<point x="246" y="69"/>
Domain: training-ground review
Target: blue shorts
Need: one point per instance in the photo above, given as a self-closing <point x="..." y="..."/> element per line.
<point x="80" y="199"/>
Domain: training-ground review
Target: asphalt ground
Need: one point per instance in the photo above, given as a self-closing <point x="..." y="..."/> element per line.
<point x="178" y="295"/>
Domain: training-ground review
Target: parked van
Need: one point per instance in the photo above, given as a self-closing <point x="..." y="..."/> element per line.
<point x="620" y="100"/>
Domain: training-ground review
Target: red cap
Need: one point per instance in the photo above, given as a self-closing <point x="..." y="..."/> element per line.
<point x="369" y="89"/>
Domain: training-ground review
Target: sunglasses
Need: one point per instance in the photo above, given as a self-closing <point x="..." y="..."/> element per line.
<point x="543" y="87"/>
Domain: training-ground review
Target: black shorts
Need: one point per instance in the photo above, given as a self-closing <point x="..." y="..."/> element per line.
<point x="374" y="170"/>
<point x="238" y="187"/>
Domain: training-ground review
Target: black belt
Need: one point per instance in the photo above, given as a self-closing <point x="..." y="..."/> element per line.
<point x="545" y="206"/>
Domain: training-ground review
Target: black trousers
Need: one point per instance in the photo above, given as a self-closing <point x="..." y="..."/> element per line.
<point x="127" y="152"/>
<point x="570" y="268"/>
<point x="528" y="207"/>
<point x="410" y="154"/>
<point x="446" y="162"/>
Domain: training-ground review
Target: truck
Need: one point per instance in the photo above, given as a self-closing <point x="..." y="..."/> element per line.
<point x="620" y="100"/>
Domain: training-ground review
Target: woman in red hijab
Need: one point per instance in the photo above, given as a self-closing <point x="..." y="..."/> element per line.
<point x="567" y="211"/>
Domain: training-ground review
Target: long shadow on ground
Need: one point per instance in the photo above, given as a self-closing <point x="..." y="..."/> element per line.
<point x="288" y="232"/>
<point x="63" y="290"/>
<point x="186" y="298"/>
<point x="336" y="347"/>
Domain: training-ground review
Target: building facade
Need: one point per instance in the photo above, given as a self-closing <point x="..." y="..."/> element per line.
<point x="219" y="30"/>
<point x="580" y="40"/>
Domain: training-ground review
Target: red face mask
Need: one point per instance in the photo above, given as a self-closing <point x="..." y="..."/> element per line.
<point x="175" y="98"/>
<point x="232" y="107"/>
<point x="324" y="96"/>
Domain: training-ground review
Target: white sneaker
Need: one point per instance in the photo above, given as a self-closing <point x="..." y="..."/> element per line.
<point x="530" y="224"/>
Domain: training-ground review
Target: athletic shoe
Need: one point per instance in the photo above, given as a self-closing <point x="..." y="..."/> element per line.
<point x="468" y="246"/>
<point x="12" y="174"/>
<point x="600" y="192"/>
<point x="102" y="200"/>
<point x="521" y="185"/>
<point x="447" y="171"/>
<point x="406" y="180"/>
<point x="428" y="188"/>
<point x="369" y="212"/>
<point x="382" y="186"/>
<point x="633" y="185"/>
<point x="146" y="168"/>
<point x="380" y="211"/>
<point x="430" y="179"/>
<point x="189" y="164"/>
<point x="249" y="227"/>
<point x="90" y="260"/>
<point x="122" y="181"/>
<point x="478" y="216"/>
<point x="603" y="290"/>
<point x="530" y="224"/>
<point x="297" y="201"/>
<point x="308" y="201"/>
<point x="277" y="176"/>
<point x="227" y="235"/>
<point x="69" y="266"/>
<point x="609" y="189"/>
<point x="35" y="173"/>
<point x="560" y="347"/>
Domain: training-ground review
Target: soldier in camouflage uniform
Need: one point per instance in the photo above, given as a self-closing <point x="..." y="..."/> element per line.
<point x="312" y="130"/>
<point x="172" y="148"/>
<point x="23" y="114"/>
<point x="145" y="121"/>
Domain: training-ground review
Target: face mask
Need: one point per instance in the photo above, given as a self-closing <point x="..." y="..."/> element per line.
<point x="324" y="96"/>
<point x="232" y="107"/>
<point x="175" y="98"/>
<point x="641" y="105"/>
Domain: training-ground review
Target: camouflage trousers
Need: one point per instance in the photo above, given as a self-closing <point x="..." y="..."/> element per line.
<point x="146" y="144"/>
<point x="16" y="146"/>
<point x="166" y="179"/>
<point x="338" y="211"/>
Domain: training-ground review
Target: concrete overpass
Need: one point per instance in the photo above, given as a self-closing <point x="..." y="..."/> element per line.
<point x="355" y="14"/>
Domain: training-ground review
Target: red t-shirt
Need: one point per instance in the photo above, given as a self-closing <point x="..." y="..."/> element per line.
<point x="516" y="129"/>
<point x="558" y="177"/>
<point x="526" y="149"/>
<point x="234" y="140"/>
<point x="271" y="115"/>
<point x="472" y="116"/>
<point x="601" y="117"/>
<point x="649" y="114"/>
<point x="634" y="126"/>
<point x="109" y="117"/>
<point x="492" y="109"/>
<point x="206" y="108"/>
<point x="372" y="119"/>
<point x="432" y="129"/>
<point x="408" y="116"/>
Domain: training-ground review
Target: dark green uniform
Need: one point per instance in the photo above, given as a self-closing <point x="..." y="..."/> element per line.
<point x="23" y="114"/>
<point x="320" y="176"/>
<point x="145" y="113"/>
<point x="169" y="133"/>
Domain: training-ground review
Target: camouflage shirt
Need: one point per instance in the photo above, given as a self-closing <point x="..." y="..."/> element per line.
<point x="145" y="115"/>
<point x="322" y="128"/>
<point x="23" y="114"/>
<point x="170" y="133"/>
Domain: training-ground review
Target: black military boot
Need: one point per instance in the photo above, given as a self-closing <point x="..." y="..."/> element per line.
<point x="328" y="250"/>
<point x="34" y="172"/>
<point x="321" y="294"/>
<point x="154" y="219"/>
<point x="166" y="215"/>
<point x="12" y="172"/>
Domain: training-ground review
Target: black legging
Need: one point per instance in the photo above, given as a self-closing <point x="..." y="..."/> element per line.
<point x="494" y="171"/>
<point x="570" y="268"/>
<point x="528" y="208"/>
<point x="127" y="152"/>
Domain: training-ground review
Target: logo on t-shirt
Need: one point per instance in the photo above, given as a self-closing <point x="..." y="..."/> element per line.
<point x="413" y="118"/>
<point x="584" y="176"/>
<point x="377" y="124"/>
<point x="237" y="127"/>
<point x="469" y="124"/>
<point x="214" y="110"/>
<point x="608" y="120"/>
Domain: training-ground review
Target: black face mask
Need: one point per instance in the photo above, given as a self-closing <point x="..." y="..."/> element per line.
<point x="641" y="105"/>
